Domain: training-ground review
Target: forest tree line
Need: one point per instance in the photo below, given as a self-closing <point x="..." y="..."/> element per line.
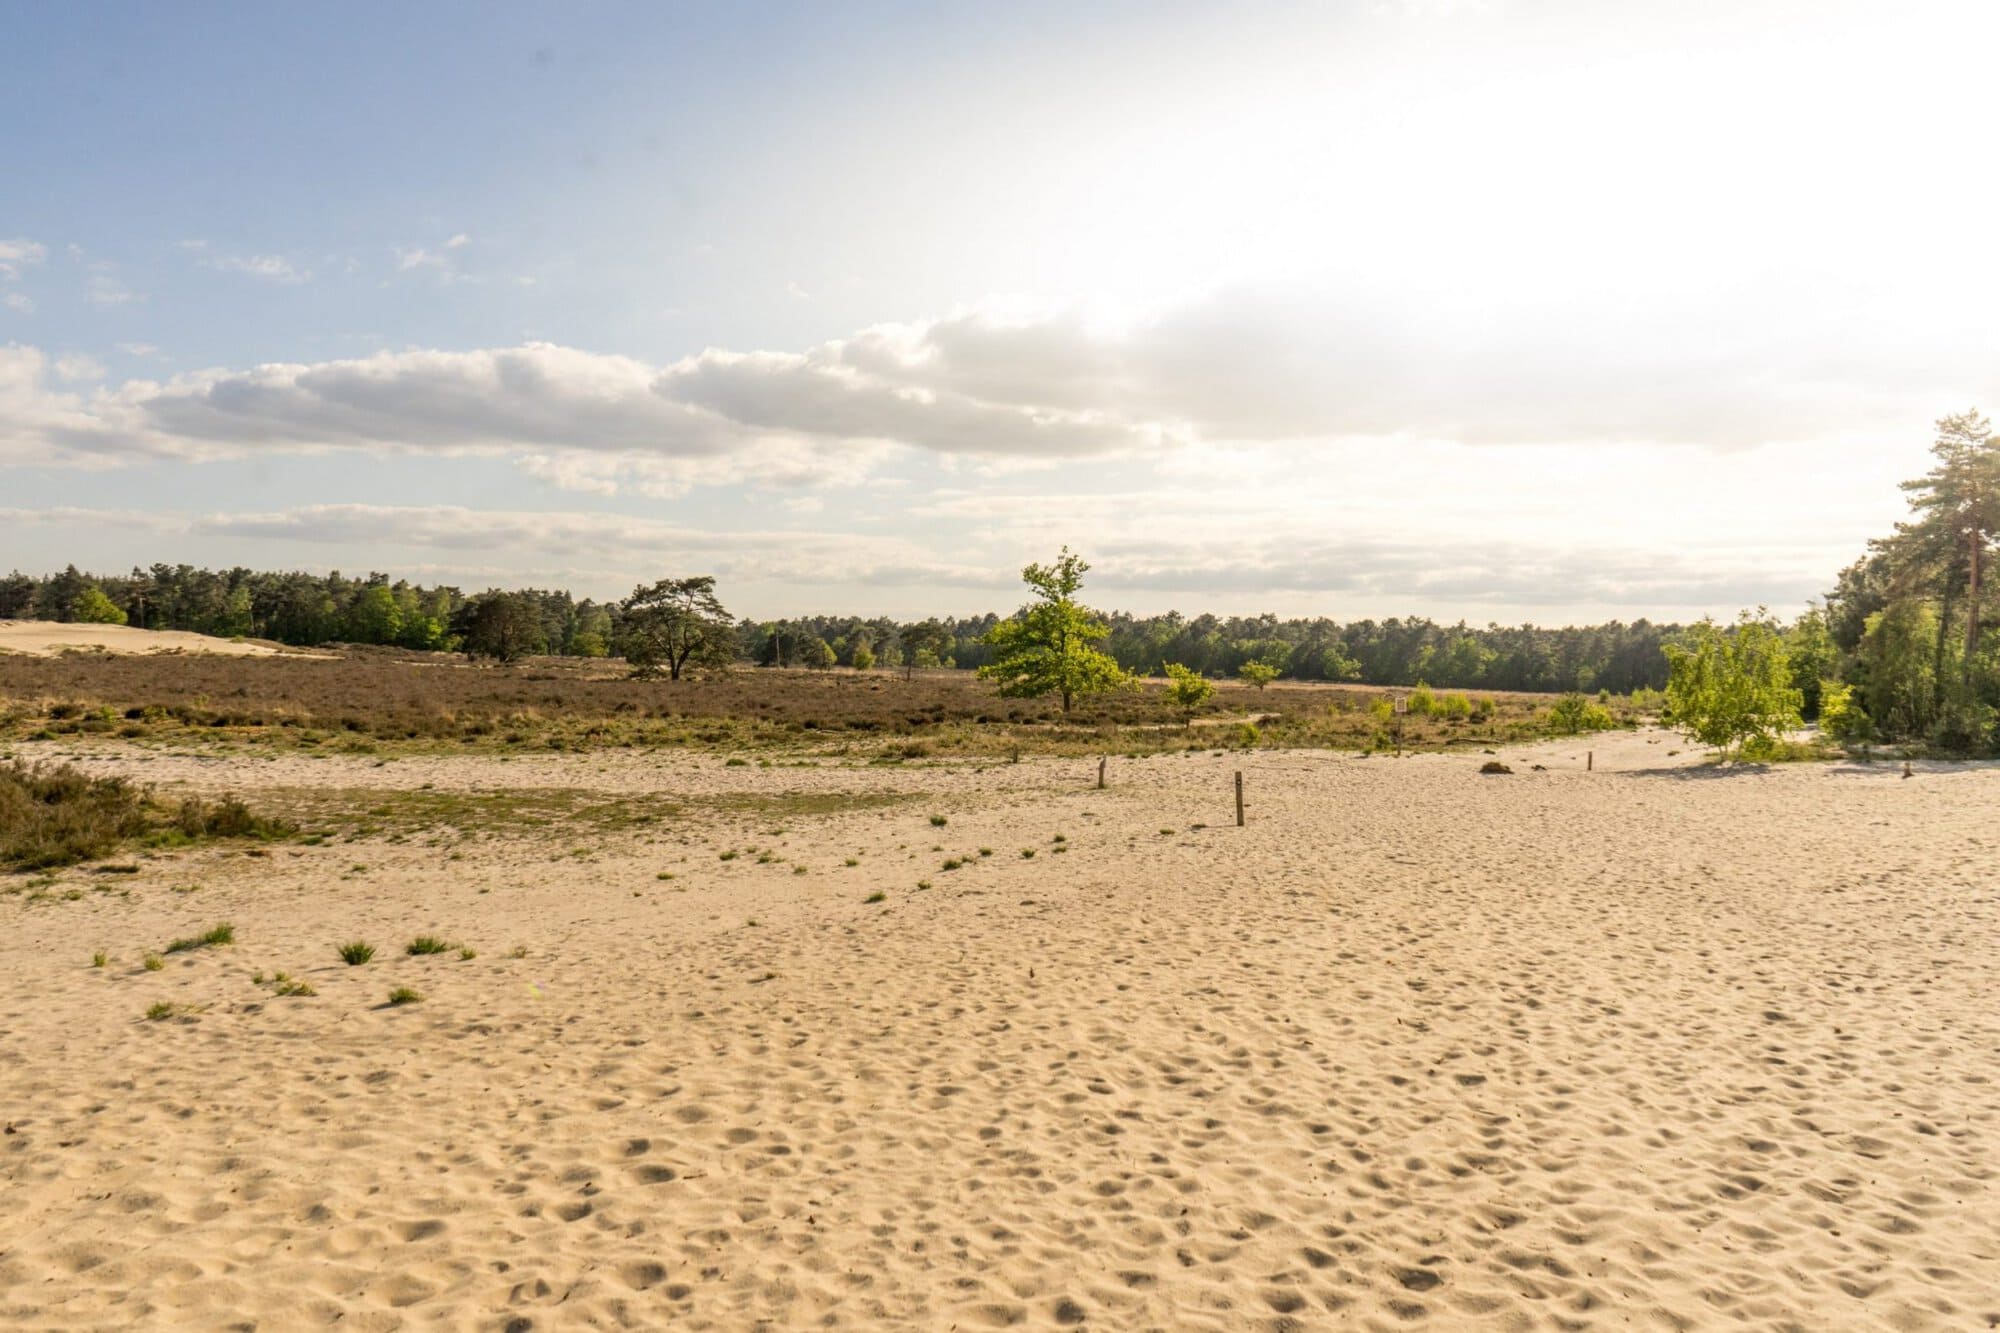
<point x="313" y="610"/>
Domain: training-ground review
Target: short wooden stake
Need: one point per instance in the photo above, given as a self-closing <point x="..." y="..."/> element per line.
<point x="1100" y="771"/>
<point x="1239" y="800"/>
<point x="1589" y="760"/>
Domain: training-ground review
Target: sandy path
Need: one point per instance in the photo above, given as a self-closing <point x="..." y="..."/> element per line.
<point x="1632" y="1048"/>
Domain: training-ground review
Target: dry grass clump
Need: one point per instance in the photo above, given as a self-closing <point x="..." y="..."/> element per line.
<point x="57" y="815"/>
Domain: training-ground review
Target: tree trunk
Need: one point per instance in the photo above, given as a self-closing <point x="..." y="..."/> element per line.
<point x="1937" y="663"/>
<point x="1971" y="603"/>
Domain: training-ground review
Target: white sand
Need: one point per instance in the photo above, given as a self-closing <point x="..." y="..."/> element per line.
<point x="1416" y="1049"/>
<point x="45" y="638"/>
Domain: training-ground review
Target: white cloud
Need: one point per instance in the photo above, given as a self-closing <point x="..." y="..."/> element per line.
<point x="17" y="301"/>
<point x="641" y="544"/>
<point x="139" y="349"/>
<point x="76" y="366"/>
<point x="1249" y="373"/>
<point x="268" y="268"/>
<point x="103" y="288"/>
<point x="458" y="241"/>
<point x="18" y="254"/>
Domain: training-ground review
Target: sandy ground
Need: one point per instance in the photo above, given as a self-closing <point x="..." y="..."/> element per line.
<point x="1645" y="1047"/>
<point x="44" y="638"/>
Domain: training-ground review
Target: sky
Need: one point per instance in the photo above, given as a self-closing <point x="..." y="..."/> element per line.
<point x="1556" y="311"/>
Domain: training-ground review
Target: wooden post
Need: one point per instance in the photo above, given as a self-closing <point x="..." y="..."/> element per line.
<point x="1589" y="760"/>
<point x="1239" y="799"/>
<point x="1102" y="761"/>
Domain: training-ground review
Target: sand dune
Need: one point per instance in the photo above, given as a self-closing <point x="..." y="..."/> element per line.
<point x="45" y="638"/>
<point x="1645" y="1047"/>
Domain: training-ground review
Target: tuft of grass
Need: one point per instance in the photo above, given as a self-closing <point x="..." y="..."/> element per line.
<point x="161" y="1010"/>
<point x="99" y="959"/>
<point x="799" y="870"/>
<point x="404" y="995"/>
<point x="986" y="851"/>
<point x="1059" y="838"/>
<point x="853" y="861"/>
<point x="952" y="864"/>
<point x="939" y="821"/>
<point x="467" y="955"/>
<point x="297" y="988"/>
<point x="518" y="951"/>
<point x="214" y="937"/>
<point x="664" y="874"/>
<point x="426" y="944"/>
<point x="1494" y="766"/>
<point x="876" y="897"/>
<point x="1027" y="853"/>
<point x="728" y="855"/>
<point x="356" y="952"/>
<point x="152" y="962"/>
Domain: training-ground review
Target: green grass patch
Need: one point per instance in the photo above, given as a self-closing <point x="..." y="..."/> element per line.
<point x="214" y="937"/>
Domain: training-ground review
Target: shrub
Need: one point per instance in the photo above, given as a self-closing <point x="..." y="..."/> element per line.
<point x="1841" y="716"/>
<point x="1422" y="701"/>
<point x="356" y="952"/>
<point x="404" y="995"/>
<point x="59" y="816"/>
<point x="1188" y="689"/>
<point x="1455" y="707"/>
<point x="227" y="818"/>
<point x="1574" y="713"/>
<point x="1494" y="766"/>
<point x="1257" y="674"/>
<point x="426" y="944"/>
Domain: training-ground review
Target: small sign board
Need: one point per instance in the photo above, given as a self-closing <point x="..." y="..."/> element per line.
<point x="1402" y="703"/>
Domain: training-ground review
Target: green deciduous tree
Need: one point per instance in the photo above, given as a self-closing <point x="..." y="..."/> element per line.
<point x="1730" y="684"/>
<point x="92" y="607"/>
<point x="1257" y="674"/>
<point x="1050" y="646"/>
<point x="1188" y="689"/>
<point x="675" y="625"/>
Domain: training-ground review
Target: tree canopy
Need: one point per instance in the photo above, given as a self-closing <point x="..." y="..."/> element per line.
<point x="675" y="625"/>
<point x="1732" y="684"/>
<point x="1050" y="646"/>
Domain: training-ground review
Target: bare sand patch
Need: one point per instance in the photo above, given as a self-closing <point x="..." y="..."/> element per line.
<point x="1650" y="1045"/>
<point x="46" y="638"/>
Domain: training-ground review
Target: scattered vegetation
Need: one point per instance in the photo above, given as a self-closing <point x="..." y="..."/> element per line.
<point x="426" y="944"/>
<point x="58" y="815"/>
<point x="356" y="952"/>
<point x="214" y="937"/>
<point x="404" y="995"/>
